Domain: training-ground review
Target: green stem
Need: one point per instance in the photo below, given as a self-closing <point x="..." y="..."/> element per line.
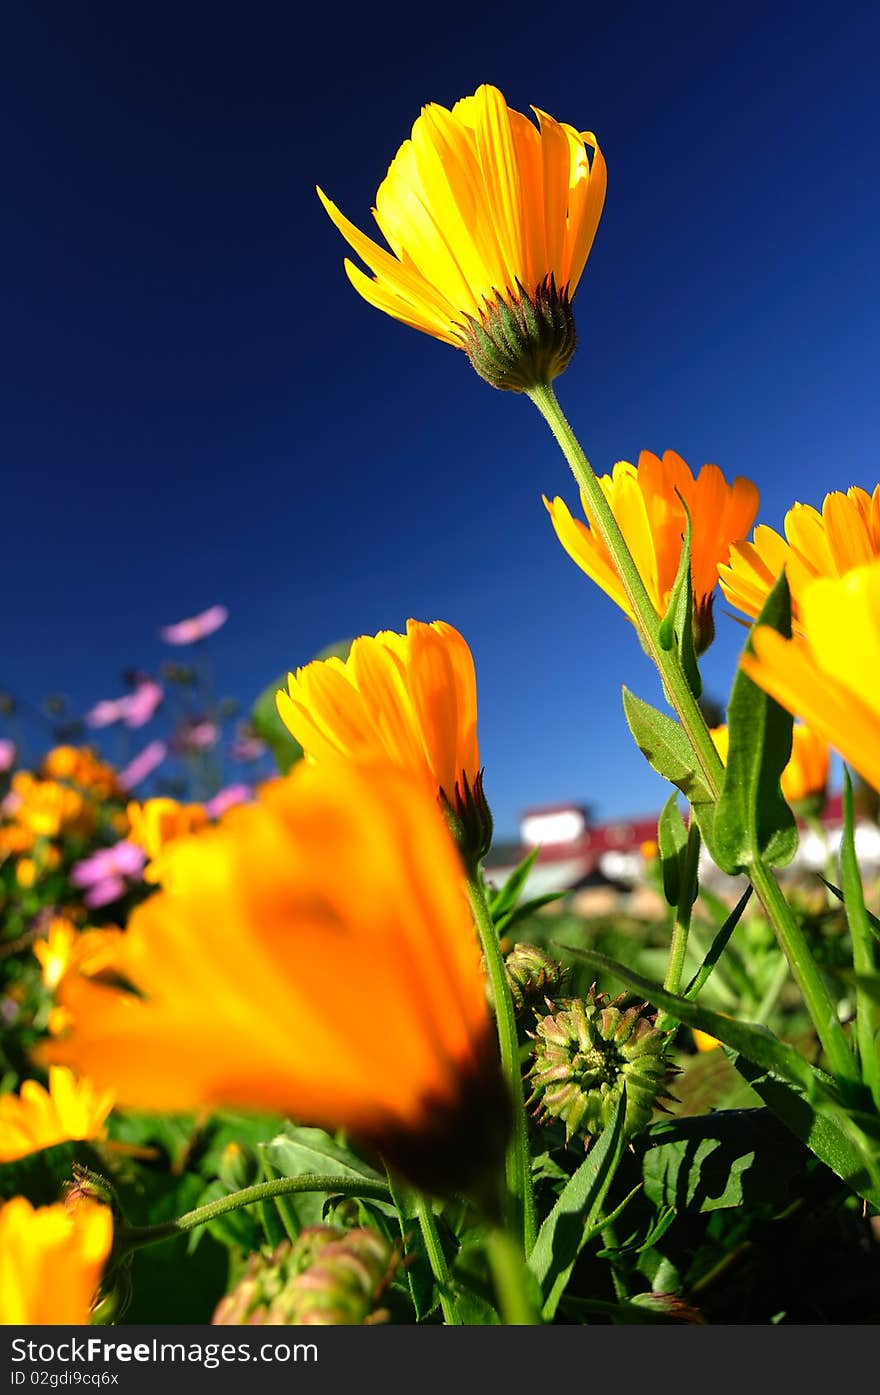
<point x="686" y="898"/>
<point x="437" y="1261"/>
<point x="135" y="1237"/>
<point x="513" y="1282"/>
<point x="518" y="1164"/>
<point x="647" y="620"/>
<point x="806" y="972"/>
<point x="678" y="691"/>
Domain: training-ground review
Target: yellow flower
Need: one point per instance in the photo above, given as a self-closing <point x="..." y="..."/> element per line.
<point x="38" y="1118"/>
<point x="703" y="1041"/>
<point x="313" y="955"/>
<point x="159" y="822"/>
<point x="410" y="699"/>
<point x="846" y="534"/>
<point x="829" y="674"/>
<point x="26" y="872"/>
<point x="51" y="1259"/>
<point x="490" y="220"/>
<point x="645" y="501"/>
<point x="805" y="778"/>
<point x="65" y="948"/>
<point x="46" y="807"/>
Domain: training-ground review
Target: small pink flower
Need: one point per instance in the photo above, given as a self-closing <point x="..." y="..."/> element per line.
<point x="226" y="799"/>
<point x="197" y="627"/>
<point x="7" y="754"/>
<point x="105" y="713"/>
<point x="147" y="760"/>
<point x="247" y="748"/>
<point x="134" y="709"/>
<point x="103" y="875"/>
<point x="142" y="703"/>
<point x="198" y="735"/>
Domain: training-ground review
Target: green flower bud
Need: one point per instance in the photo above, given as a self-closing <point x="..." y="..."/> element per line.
<point x="327" y="1277"/>
<point x="533" y="976"/>
<point x="583" y="1055"/>
<point x="469" y="817"/>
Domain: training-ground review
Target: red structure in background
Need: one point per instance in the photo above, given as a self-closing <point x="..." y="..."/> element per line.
<point x="572" y="848"/>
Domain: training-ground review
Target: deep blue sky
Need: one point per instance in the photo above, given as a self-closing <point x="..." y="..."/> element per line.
<point x="198" y="408"/>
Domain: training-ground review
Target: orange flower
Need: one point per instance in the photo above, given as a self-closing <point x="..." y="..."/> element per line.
<point x="846" y="534"/>
<point x="410" y="699"/>
<point x="829" y="673"/>
<point x="65" y="948"/>
<point x="159" y="822"/>
<point x="645" y="501"/>
<point x="490" y="220"/>
<point x="38" y="1118"/>
<point x="46" y="807"/>
<point x="51" y="1260"/>
<point x="312" y="954"/>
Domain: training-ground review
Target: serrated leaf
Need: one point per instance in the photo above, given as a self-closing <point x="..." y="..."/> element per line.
<point x="752" y="821"/>
<point x="665" y="747"/>
<point x="574" y="1217"/>
<point x="671" y="843"/>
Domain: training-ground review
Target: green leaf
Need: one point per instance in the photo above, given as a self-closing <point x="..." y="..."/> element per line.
<point x="727" y="1158"/>
<point x="576" y="1212"/>
<point x="752" y="820"/>
<point x="867" y="1028"/>
<point x="671" y="842"/>
<point x="717" y="946"/>
<point x="296" y="1151"/>
<point x="873" y="921"/>
<point x="677" y="626"/>
<point x="665" y="747"/>
<point x="846" y="1143"/>
<point x="503" y="901"/>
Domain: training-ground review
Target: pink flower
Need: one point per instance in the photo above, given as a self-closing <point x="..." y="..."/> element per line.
<point x="197" y="627"/>
<point x="142" y="703"/>
<point x="197" y="734"/>
<point x="105" y="713"/>
<point x="225" y="799"/>
<point x="7" y="754"/>
<point x="247" y="748"/>
<point x="103" y="875"/>
<point x="147" y="760"/>
<point x="134" y="709"/>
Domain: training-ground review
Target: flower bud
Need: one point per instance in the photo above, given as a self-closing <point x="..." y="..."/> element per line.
<point x="534" y="977"/>
<point x="327" y="1277"/>
<point x="585" y="1053"/>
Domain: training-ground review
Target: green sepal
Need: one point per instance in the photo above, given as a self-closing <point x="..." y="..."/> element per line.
<point x="677" y="626"/>
<point x="752" y="822"/>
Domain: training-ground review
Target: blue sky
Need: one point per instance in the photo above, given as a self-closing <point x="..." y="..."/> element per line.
<point x="197" y="408"/>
